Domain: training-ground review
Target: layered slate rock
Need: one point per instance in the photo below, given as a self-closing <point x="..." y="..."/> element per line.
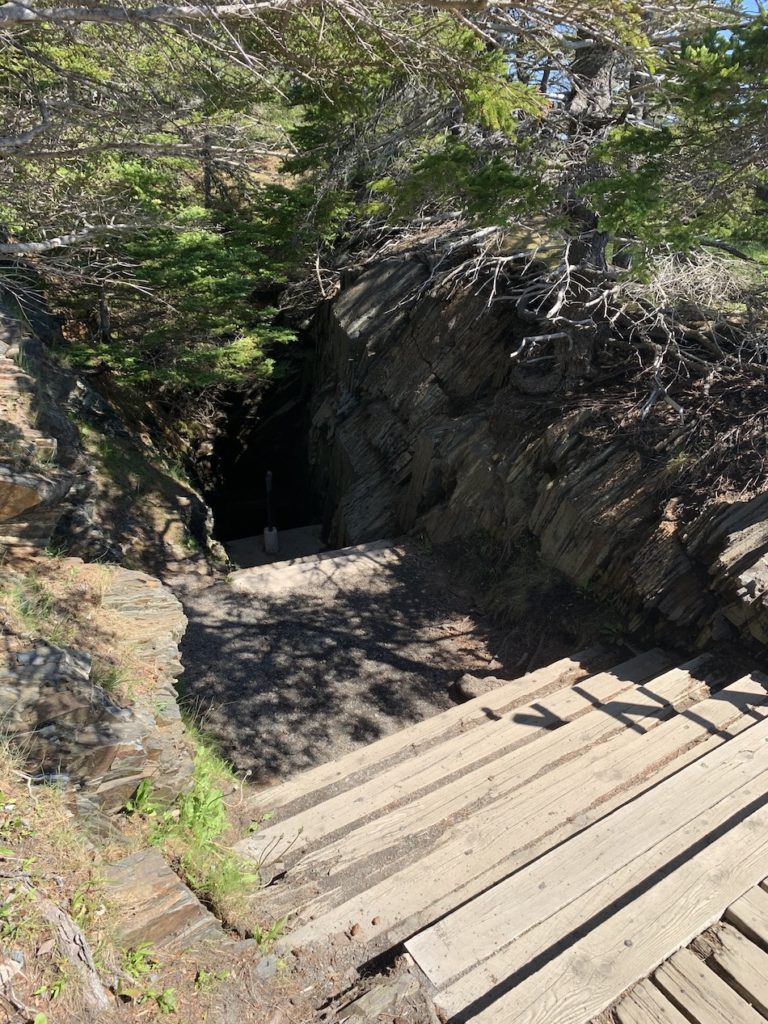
<point x="33" y="485"/>
<point x="71" y="731"/>
<point x="154" y="906"/>
<point x="419" y="421"/>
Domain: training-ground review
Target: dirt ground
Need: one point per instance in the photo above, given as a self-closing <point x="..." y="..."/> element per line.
<point x="287" y="682"/>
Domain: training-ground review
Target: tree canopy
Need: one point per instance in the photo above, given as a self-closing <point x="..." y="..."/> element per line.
<point x="169" y="167"/>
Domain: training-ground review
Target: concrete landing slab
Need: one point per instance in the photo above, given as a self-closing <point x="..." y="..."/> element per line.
<point x="247" y="552"/>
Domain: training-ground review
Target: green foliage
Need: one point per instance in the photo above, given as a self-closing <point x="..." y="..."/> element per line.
<point x="141" y="802"/>
<point x="689" y="172"/>
<point x="164" y="998"/>
<point x="490" y="190"/>
<point x="203" y="270"/>
<point x="190" y="830"/>
<point x="266" y="937"/>
<point x="208" y="981"/>
<point x="139" y="961"/>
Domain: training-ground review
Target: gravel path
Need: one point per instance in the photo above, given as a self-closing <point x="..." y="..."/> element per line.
<point x="286" y="682"/>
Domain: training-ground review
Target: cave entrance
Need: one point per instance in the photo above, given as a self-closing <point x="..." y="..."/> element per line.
<point x="267" y="433"/>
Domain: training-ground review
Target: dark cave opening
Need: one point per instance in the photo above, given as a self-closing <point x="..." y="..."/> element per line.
<point x="266" y="433"/>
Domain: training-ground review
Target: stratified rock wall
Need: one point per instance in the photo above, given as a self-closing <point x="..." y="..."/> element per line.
<point x="71" y="731"/>
<point x="417" y="422"/>
<point x="63" y="723"/>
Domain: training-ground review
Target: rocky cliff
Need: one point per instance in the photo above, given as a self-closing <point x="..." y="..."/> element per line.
<point x="420" y="421"/>
<point x="73" y="724"/>
<point x="88" y="652"/>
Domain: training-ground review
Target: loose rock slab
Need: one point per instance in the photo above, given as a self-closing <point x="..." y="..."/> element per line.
<point x="156" y="907"/>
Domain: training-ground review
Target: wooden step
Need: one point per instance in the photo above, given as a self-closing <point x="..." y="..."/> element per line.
<point x="498" y="735"/>
<point x="701" y="994"/>
<point x="750" y="915"/>
<point x="481" y="850"/>
<point x="577" y="962"/>
<point x="743" y="964"/>
<point x="645" y="1004"/>
<point x="299" y="544"/>
<point x="336" y="776"/>
<point x="540" y="902"/>
<point x="501" y="780"/>
<point x="735" y="951"/>
<point x="257" y="571"/>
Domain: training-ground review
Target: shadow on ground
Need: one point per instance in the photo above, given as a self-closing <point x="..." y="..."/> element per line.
<point x="286" y="682"/>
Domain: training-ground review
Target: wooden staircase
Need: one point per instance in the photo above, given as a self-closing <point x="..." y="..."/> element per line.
<point x="540" y="848"/>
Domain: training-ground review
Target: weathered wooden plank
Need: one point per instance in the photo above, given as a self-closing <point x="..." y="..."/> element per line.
<point x="480" y="929"/>
<point x="478" y="852"/>
<point x="597" y="903"/>
<point x="510" y="775"/>
<point x="750" y="915"/>
<point x="574" y="981"/>
<point x="745" y="966"/>
<point x="463" y="717"/>
<point x="698" y="991"/>
<point x="402" y="780"/>
<point x="644" y="1004"/>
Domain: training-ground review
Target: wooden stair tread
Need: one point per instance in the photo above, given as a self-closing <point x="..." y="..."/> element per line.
<point x="532" y="898"/>
<point x="324" y="568"/>
<point x="508" y="778"/>
<point x="750" y="915"/>
<point x="481" y="850"/>
<point x="701" y="994"/>
<point x="495" y="737"/>
<point x="744" y="965"/>
<point x="607" y="954"/>
<point x="736" y="951"/>
<point x="256" y="571"/>
<point x="645" y="1004"/>
<point x="346" y="771"/>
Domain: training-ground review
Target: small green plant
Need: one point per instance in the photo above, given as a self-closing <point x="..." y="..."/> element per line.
<point x="56" y="549"/>
<point x="257" y="823"/>
<point x="141" y="802"/>
<point x="54" y="988"/>
<point x="165" y="999"/>
<point x="84" y="906"/>
<point x="266" y="937"/>
<point x="189" y="832"/>
<point x="139" y="961"/>
<point x="207" y="981"/>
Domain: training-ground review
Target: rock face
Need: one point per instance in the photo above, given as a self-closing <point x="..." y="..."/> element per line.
<point x="67" y="726"/>
<point x="71" y="731"/>
<point x="154" y="906"/>
<point x="418" y="422"/>
<point x="33" y="484"/>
